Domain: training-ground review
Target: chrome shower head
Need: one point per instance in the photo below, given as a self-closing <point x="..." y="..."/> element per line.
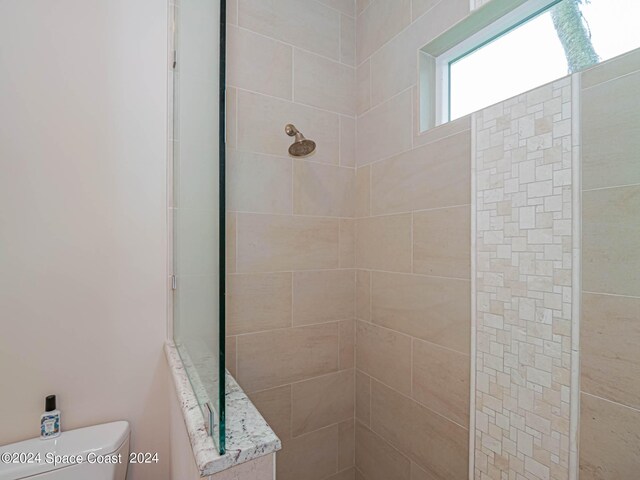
<point x="301" y="147"/>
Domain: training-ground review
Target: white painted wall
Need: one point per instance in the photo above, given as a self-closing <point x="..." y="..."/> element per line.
<point x="83" y="229"/>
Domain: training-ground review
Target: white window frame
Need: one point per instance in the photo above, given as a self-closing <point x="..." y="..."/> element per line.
<point x="434" y="72"/>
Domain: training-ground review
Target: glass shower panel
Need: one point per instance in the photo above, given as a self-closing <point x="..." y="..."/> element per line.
<point x="198" y="184"/>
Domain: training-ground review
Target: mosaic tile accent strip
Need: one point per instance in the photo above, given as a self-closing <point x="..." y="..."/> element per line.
<point x="523" y="156"/>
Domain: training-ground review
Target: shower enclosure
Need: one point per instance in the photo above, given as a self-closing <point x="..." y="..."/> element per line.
<point x="197" y="77"/>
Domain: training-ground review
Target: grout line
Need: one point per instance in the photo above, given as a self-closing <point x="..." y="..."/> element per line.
<point x="340" y="38"/>
<point x="411" y="367"/>
<point x="611" y="79"/>
<point x="611" y="187"/>
<point x="297" y="382"/>
<point x="293" y="75"/>
<point x="612" y="294"/>
<point x="370" y="398"/>
<point x="336" y="10"/>
<point x="326" y="217"/>
<point x="474" y="327"/>
<point x="290" y="101"/>
<point x="236" y="219"/>
<point x="291" y="278"/>
<point x="290" y="411"/>
<point x="415" y="401"/>
<point x="287" y="157"/>
<point x="412" y="240"/>
<point x="340" y="140"/>
<point x="413" y="337"/>
<point x="370" y="190"/>
<point x="293" y="46"/>
<point x="281" y="329"/>
<point x="409" y="25"/>
<point x="364" y="9"/>
<point x="370" y="313"/>
<point x="582" y="392"/>
<point x="371" y="87"/>
<point x="576" y="278"/>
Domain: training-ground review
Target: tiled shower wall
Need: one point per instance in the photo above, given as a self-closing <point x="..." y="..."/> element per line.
<point x="610" y="323"/>
<point x="413" y="298"/>
<point x="380" y="229"/>
<point x="291" y="276"/>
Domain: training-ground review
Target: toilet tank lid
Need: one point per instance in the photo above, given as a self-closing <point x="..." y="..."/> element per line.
<point x="100" y="440"/>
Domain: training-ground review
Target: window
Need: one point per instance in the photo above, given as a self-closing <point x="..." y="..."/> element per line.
<point x="538" y="42"/>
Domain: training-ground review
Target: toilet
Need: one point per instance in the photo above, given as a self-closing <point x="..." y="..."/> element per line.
<point x="100" y="452"/>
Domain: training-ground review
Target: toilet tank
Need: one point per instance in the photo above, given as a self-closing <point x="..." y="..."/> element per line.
<point x="100" y="452"/>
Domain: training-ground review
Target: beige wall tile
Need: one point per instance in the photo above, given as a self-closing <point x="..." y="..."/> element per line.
<point x="418" y="473"/>
<point x="363" y="398"/>
<point x="258" y="183"/>
<point x="259" y="64"/>
<point x="432" y="176"/>
<point x="313" y="456"/>
<point x="419" y="7"/>
<point x="347" y="141"/>
<point x="275" y="358"/>
<point x="363" y="87"/>
<point x="610" y="352"/>
<point x="361" y="5"/>
<point x="440" y="381"/>
<point x="322" y="401"/>
<point x="441" y="17"/>
<point x="376" y="459"/>
<point x="323" y="296"/>
<point x="434" y="442"/>
<point x="261" y="122"/>
<point x="232" y="12"/>
<point x="385" y="130"/>
<point x="348" y="40"/>
<point x="363" y="192"/>
<point x="384" y="243"/>
<point x="232" y="117"/>
<point x="323" y="189"/>
<point x="280" y="243"/>
<point x="348" y="474"/>
<point x="323" y="83"/>
<point x="442" y="242"/>
<point x="231" y="243"/>
<point x="611" y="228"/>
<point x="614" y="68"/>
<point x="303" y="23"/>
<point x="441" y="131"/>
<point x="379" y="23"/>
<point x="230" y="354"/>
<point x="393" y="68"/>
<point x="608" y="440"/>
<point x="347" y="344"/>
<point x="363" y="295"/>
<point x="347" y="243"/>
<point x="347" y="7"/>
<point x="611" y="133"/>
<point x="346" y="444"/>
<point x="385" y="355"/>
<point x="258" y="302"/>
<point x="275" y="406"/>
<point x="434" y="309"/>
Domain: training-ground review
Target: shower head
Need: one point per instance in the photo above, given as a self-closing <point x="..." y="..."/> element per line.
<point x="301" y="147"/>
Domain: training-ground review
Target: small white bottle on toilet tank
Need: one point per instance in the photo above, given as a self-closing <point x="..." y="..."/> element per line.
<point x="50" y="419"/>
